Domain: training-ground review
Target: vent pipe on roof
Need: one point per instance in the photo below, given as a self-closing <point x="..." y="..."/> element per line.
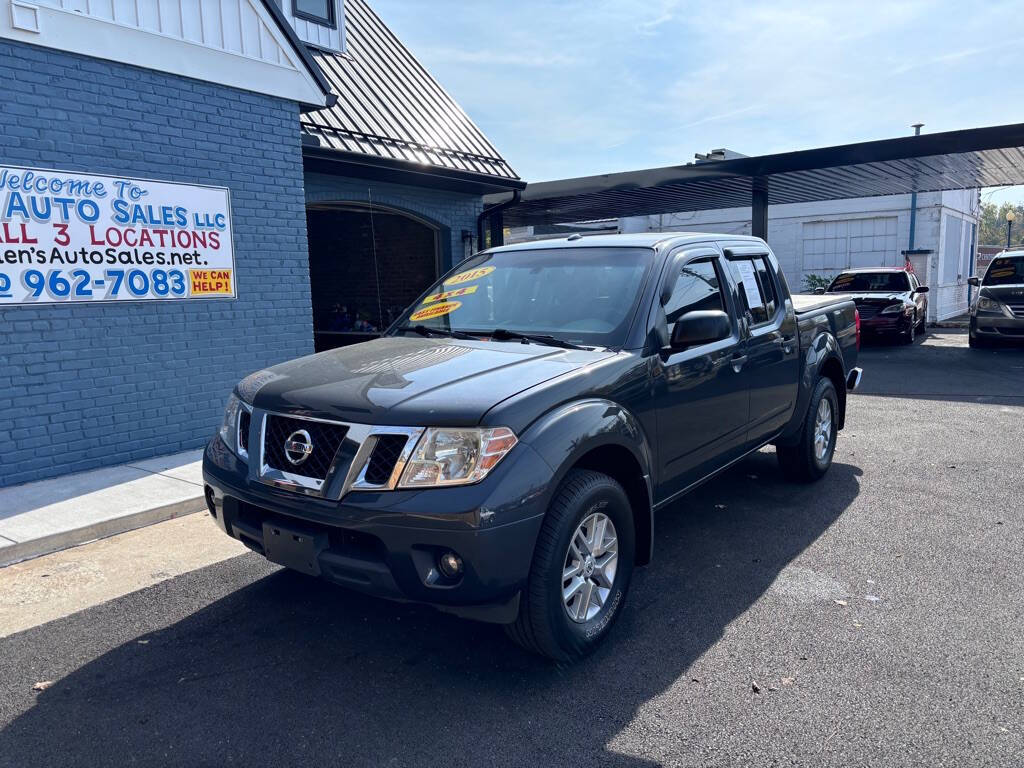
<point x="913" y="197"/>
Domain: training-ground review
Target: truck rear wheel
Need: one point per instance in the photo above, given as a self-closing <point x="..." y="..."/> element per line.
<point x="810" y="458"/>
<point x="581" y="569"/>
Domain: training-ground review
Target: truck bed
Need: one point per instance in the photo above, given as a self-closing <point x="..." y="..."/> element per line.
<point x="808" y="302"/>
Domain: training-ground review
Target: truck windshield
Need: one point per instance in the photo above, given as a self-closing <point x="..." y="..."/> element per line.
<point x="870" y="282"/>
<point x="1006" y="270"/>
<point x="582" y="295"/>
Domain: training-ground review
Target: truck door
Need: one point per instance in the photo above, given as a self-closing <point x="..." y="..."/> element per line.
<point x="700" y="393"/>
<point x="772" y="347"/>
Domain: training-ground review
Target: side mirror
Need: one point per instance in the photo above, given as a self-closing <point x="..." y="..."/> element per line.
<point x="975" y="281"/>
<point x="819" y="291"/>
<point x="700" y="327"/>
<point x="922" y="289"/>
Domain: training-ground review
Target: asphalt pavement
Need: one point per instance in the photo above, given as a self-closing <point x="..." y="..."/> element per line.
<point x="874" y="618"/>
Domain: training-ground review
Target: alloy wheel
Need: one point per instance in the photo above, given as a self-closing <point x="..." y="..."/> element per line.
<point x="822" y="430"/>
<point x="589" y="570"/>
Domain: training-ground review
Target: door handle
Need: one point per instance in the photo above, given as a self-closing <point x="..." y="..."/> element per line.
<point x="738" y="361"/>
<point x="786" y="342"/>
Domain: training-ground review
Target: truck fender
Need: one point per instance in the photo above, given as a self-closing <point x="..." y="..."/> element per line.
<point x="822" y="349"/>
<point x="587" y="430"/>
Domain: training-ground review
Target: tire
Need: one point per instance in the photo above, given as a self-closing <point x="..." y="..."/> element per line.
<point x="802" y="462"/>
<point x="922" y="328"/>
<point x="911" y="334"/>
<point x="544" y="625"/>
<point x="976" y="342"/>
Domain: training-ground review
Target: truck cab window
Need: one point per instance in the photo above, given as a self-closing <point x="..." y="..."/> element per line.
<point x="698" y="288"/>
<point x="756" y="287"/>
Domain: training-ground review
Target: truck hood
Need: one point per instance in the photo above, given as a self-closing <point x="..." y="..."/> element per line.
<point x="410" y="381"/>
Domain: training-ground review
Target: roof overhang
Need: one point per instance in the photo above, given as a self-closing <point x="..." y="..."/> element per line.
<point x="355" y="165"/>
<point x="310" y="65"/>
<point x="966" y="159"/>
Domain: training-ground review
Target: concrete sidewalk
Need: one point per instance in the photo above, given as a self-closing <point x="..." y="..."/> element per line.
<point x="49" y="515"/>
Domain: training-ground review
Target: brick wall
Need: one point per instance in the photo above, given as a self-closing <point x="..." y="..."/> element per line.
<point x="88" y="385"/>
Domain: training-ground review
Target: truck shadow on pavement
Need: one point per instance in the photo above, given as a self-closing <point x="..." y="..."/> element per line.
<point x="287" y="670"/>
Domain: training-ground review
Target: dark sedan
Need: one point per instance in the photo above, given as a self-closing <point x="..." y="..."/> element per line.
<point x="891" y="302"/>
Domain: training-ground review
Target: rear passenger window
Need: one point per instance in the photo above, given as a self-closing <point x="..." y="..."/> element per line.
<point x="757" y="287"/>
<point x="698" y="288"/>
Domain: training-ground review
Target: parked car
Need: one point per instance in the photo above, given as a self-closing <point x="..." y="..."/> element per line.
<point x="997" y="314"/>
<point x="891" y="302"/>
<point x="501" y="451"/>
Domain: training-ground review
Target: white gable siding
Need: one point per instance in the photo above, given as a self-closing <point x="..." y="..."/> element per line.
<point x="231" y="42"/>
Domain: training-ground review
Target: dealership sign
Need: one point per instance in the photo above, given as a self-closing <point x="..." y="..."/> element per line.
<point x="68" y="237"/>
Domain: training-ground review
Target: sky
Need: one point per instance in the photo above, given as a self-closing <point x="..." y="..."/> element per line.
<point x="579" y="87"/>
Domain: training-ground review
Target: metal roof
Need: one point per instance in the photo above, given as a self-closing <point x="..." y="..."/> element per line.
<point x="389" y="107"/>
<point x="977" y="157"/>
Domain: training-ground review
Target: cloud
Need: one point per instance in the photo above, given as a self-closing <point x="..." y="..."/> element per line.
<point x="578" y="87"/>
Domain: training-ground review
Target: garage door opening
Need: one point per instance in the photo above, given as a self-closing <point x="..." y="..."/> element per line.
<point x="366" y="265"/>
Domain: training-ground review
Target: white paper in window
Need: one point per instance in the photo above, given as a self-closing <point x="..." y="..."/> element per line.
<point x="749" y="281"/>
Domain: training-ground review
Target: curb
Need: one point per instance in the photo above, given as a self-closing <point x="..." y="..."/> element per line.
<point x="55" y="542"/>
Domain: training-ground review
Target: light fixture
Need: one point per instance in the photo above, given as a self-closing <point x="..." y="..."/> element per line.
<point x="1010" y="215"/>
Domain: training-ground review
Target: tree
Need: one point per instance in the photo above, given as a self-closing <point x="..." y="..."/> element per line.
<point x="993" y="224"/>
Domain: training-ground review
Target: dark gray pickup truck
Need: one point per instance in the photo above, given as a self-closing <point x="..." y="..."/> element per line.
<point x="501" y="452"/>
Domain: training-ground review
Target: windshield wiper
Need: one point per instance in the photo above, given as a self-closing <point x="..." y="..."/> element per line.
<point x="423" y="330"/>
<point x="503" y="334"/>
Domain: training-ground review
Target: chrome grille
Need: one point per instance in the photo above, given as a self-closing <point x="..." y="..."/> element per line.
<point x="244" y="422"/>
<point x="386" y="454"/>
<point x="1016" y="308"/>
<point x="867" y="310"/>
<point x="326" y="438"/>
<point x="345" y="457"/>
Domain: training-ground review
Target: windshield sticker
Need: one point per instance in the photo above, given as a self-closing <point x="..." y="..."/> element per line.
<point x="445" y="295"/>
<point x="435" y="310"/>
<point x="466" y="277"/>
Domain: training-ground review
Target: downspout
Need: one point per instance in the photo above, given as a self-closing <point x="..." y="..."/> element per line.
<point x="486" y="213"/>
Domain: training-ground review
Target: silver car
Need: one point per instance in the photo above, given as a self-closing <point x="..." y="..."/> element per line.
<point x="997" y="313"/>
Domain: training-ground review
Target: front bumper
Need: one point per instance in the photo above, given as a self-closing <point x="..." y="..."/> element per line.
<point x="388" y="543"/>
<point x="886" y="324"/>
<point x="993" y="326"/>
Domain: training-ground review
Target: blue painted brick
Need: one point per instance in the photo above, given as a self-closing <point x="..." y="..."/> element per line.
<point x="141" y="379"/>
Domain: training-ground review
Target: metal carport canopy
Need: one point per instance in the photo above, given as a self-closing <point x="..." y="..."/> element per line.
<point x="976" y="157"/>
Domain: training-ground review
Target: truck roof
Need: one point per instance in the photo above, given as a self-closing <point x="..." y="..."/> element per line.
<point x="635" y="240"/>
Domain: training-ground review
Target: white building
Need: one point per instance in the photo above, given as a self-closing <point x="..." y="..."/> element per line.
<point x="823" y="238"/>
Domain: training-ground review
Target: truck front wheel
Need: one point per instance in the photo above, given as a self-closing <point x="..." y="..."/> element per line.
<point x="810" y="458"/>
<point x="581" y="569"/>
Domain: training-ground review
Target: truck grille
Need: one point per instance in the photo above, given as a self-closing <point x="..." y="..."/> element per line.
<point x="384" y="457"/>
<point x="1017" y="308"/>
<point x="344" y="457"/>
<point x="243" y="430"/>
<point x="326" y="439"/>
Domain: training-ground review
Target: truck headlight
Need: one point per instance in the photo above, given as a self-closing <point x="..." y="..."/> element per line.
<point x="456" y="456"/>
<point x="892" y="309"/>
<point x="229" y="424"/>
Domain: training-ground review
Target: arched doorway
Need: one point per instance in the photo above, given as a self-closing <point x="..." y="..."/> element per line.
<point x="366" y="265"/>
